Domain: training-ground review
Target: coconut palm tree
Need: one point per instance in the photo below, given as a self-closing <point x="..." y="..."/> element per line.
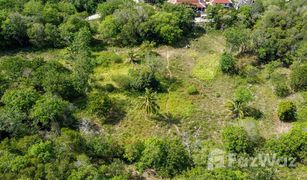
<point x="133" y="57"/>
<point x="149" y="102"/>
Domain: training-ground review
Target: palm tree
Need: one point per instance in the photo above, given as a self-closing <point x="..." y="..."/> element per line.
<point x="236" y="108"/>
<point x="133" y="57"/>
<point x="149" y="102"/>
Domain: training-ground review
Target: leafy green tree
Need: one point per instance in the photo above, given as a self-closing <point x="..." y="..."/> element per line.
<point x="100" y="104"/>
<point x="227" y="63"/>
<point x="49" y="109"/>
<point x="51" y="14"/>
<point x="104" y="148"/>
<point x="53" y="77"/>
<point x="245" y="16"/>
<point x="144" y="78"/>
<point x="162" y="26"/>
<point x="287" y="111"/>
<point x="221" y="17"/>
<point x="72" y="25"/>
<point x="149" y="102"/>
<point x="21" y="99"/>
<point x="236" y="140"/>
<point x="14" y="29"/>
<point x="12" y="122"/>
<point x="43" y="151"/>
<point x="280" y="84"/>
<point x="167" y="157"/>
<point x="184" y="13"/>
<point x="298" y="77"/>
<point x="36" y="34"/>
<point x="238" y="39"/>
<point x="86" y="5"/>
<point x="84" y="172"/>
<point x="108" y="8"/>
<point x="33" y="8"/>
<point x="52" y="35"/>
<point x="291" y="145"/>
<point x="70" y="141"/>
<point x="133" y="151"/>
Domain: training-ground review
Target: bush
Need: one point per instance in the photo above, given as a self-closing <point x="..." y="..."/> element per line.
<point x="192" y="90"/>
<point x="109" y="87"/>
<point x="48" y="108"/>
<point x="133" y="151"/>
<point x="290" y="145"/>
<point x="43" y="151"/>
<point x="236" y="140"/>
<point x="99" y="104"/>
<point x="287" y="111"/>
<point x="167" y="157"/>
<point x="144" y="78"/>
<point x="243" y="95"/>
<point x="104" y="148"/>
<point x="21" y="99"/>
<point x="227" y="63"/>
<point x="280" y="84"/>
<point x="298" y="77"/>
<point x="216" y="173"/>
<point x="281" y="89"/>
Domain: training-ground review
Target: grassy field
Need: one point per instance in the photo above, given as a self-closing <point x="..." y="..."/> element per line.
<point x="200" y="116"/>
<point x="203" y="113"/>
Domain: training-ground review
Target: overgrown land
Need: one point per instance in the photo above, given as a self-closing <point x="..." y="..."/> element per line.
<point x="145" y="93"/>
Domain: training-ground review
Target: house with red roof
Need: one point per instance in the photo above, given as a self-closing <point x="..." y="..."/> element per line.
<point x="200" y="5"/>
<point x="225" y="3"/>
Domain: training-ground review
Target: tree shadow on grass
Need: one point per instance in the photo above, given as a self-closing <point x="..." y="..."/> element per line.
<point x="253" y="112"/>
<point x="196" y="32"/>
<point x="116" y="114"/>
<point x="167" y="118"/>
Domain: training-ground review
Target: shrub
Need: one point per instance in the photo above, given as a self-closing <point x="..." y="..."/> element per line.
<point x="243" y="94"/>
<point x="236" y="140"/>
<point x="287" y="111"/>
<point x="298" y="77"/>
<point x="281" y="89"/>
<point x="43" y="151"/>
<point x="21" y="99"/>
<point x="105" y="148"/>
<point x="290" y="145"/>
<point x="192" y="90"/>
<point x="167" y="157"/>
<point x="109" y="87"/>
<point x="144" y="78"/>
<point x="216" y="173"/>
<point x="99" y="104"/>
<point x="48" y="108"/>
<point x="227" y="63"/>
<point x="133" y="151"/>
<point x="280" y="85"/>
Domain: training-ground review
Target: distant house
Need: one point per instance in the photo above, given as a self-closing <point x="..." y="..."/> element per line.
<point x="225" y="3"/>
<point x="200" y="5"/>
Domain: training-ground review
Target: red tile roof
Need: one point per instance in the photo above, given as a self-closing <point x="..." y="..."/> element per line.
<point x="221" y="1"/>
<point x="197" y="3"/>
